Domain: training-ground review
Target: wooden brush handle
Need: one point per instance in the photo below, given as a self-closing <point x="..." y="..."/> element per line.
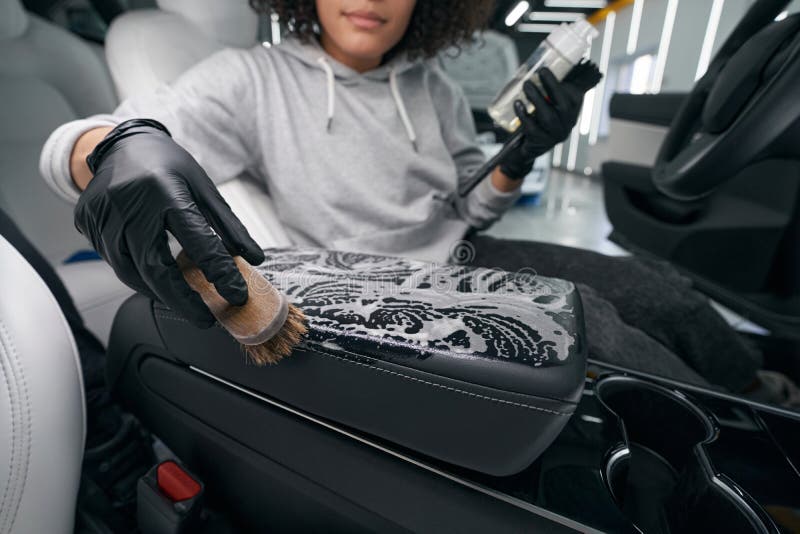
<point x="261" y="317"/>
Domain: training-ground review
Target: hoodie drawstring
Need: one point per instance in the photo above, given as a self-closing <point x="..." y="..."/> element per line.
<point x="401" y="108"/>
<point x="331" y="89"/>
<point x="398" y="100"/>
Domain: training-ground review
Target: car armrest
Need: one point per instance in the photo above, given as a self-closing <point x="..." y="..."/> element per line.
<point x="476" y="367"/>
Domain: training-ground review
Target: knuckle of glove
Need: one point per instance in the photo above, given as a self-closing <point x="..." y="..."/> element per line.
<point x="561" y="132"/>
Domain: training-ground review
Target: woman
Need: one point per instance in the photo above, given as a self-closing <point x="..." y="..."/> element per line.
<point x="361" y="143"/>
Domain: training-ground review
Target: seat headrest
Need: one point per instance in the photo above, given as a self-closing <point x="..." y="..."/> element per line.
<point x="232" y="22"/>
<point x="13" y="19"/>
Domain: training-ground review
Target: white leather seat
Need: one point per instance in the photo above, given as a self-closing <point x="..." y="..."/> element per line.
<point x="96" y="292"/>
<point x="48" y="77"/>
<point x="42" y="412"/>
<point x="149" y="47"/>
<point x="482" y="69"/>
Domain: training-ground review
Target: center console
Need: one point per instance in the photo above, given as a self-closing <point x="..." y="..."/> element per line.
<point x="642" y="455"/>
<point x="443" y="398"/>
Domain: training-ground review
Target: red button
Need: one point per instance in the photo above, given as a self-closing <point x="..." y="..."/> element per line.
<point x="175" y="482"/>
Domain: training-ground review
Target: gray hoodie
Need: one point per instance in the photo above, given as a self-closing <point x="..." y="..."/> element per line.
<point x="365" y="162"/>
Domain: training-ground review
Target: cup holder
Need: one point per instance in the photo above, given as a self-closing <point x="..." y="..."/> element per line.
<point x="656" y="475"/>
<point x="657" y="420"/>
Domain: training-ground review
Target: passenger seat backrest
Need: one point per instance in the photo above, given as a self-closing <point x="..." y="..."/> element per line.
<point x="483" y="67"/>
<point x="148" y="47"/>
<point x="42" y="412"/>
<point x="47" y="77"/>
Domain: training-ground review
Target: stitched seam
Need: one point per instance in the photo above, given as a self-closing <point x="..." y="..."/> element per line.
<point x="166" y="315"/>
<point x="162" y="315"/>
<point x="433" y="384"/>
<point x="318" y="349"/>
<point x="27" y="421"/>
<point x="25" y="401"/>
<point x="14" y="420"/>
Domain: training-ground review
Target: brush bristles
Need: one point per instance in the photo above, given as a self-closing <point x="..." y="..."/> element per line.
<point x="282" y="343"/>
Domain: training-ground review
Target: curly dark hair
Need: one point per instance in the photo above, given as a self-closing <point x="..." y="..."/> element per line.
<point x="434" y="24"/>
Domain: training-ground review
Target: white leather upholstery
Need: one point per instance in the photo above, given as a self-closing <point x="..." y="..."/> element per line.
<point x="255" y="209"/>
<point x="147" y="48"/>
<point x="483" y="68"/>
<point x="230" y="23"/>
<point x="13" y="20"/>
<point x="47" y="77"/>
<point x="42" y="412"/>
<point x="96" y="292"/>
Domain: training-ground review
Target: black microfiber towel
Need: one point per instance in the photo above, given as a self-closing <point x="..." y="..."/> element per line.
<point x="648" y="296"/>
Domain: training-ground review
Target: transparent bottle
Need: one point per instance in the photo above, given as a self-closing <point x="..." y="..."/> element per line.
<point x="560" y="51"/>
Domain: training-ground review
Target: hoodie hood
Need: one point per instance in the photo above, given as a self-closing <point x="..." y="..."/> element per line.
<point x="313" y="55"/>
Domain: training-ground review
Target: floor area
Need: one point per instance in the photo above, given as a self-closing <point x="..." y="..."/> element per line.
<point x="570" y="211"/>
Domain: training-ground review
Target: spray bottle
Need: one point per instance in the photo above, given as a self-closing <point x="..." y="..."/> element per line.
<point x="560" y="51"/>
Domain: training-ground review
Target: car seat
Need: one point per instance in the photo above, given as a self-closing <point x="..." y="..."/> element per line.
<point x="149" y="47"/>
<point x="482" y="68"/>
<point x="42" y="412"/>
<point x="49" y="77"/>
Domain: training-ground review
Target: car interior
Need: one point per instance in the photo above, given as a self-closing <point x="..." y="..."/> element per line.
<point x="381" y="421"/>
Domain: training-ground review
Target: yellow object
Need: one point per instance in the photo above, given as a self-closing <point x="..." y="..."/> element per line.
<point x="600" y="15"/>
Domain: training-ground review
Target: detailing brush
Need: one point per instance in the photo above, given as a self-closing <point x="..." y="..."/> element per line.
<point x="267" y="326"/>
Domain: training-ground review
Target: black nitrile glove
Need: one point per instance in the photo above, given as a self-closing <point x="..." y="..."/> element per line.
<point x="145" y="184"/>
<point x="553" y="118"/>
